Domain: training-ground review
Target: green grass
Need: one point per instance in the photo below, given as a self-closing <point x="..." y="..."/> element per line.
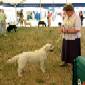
<point x="29" y="40"/>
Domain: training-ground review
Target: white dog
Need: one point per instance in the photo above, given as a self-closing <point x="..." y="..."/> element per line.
<point x="37" y="56"/>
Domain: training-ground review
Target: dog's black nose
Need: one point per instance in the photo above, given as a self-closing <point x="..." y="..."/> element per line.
<point x="51" y="50"/>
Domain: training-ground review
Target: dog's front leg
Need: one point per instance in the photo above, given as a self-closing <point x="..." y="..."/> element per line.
<point x="21" y="65"/>
<point x="42" y="66"/>
<point x="19" y="72"/>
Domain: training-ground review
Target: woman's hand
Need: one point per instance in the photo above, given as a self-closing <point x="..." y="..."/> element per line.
<point x="63" y="30"/>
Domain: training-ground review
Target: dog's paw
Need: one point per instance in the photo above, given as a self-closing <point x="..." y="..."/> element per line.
<point x="43" y="70"/>
<point x="9" y="61"/>
<point x="20" y="75"/>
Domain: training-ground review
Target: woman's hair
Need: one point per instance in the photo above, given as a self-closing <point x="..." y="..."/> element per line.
<point x="68" y="7"/>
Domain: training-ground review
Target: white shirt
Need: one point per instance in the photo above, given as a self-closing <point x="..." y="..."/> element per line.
<point x="72" y="22"/>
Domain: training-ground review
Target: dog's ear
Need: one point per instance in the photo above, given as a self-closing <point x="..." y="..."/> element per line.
<point x="50" y="42"/>
<point x="49" y="47"/>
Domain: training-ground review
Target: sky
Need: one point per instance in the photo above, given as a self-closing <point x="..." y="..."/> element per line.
<point x="45" y="1"/>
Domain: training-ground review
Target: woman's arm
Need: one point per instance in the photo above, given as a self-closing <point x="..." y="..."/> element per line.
<point x="69" y="30"/>
<point x="72" y="30"/>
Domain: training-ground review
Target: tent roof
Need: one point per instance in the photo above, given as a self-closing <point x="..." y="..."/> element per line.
<point x="44" y="1"/>
<point x="12" y="1"/>
<point x="43" y="5"/>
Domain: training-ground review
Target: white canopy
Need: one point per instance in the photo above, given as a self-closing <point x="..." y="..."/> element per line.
<point x="43" y="1"/>
<point x="12" y="1"/>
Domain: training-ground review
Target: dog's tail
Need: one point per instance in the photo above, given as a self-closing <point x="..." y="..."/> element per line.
<point x="13" y="60"/>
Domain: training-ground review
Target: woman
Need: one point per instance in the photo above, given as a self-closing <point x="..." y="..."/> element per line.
<point x="71" y="47"/>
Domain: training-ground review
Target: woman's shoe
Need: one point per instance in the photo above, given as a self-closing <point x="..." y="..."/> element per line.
<point x="64" y="65"/>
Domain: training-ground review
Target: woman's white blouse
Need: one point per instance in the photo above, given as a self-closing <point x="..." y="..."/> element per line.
<point x="72" y="22"/>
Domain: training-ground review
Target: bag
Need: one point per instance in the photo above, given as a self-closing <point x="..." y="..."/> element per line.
<point x="79" y="71"/>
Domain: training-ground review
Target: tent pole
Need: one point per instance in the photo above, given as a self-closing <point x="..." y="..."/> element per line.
<point x="66" y="1"/>
<point x="40" y="9"/>
<point x="15" y="12"/>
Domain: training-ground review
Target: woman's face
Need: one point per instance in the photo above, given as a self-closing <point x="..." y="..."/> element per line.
<point x="69" y="13"/>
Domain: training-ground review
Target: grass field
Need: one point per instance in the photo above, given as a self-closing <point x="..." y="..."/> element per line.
<point x="29" y="40"/>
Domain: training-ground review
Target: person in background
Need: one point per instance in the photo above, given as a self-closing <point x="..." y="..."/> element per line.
<point x="49" y="18"/>
<point x="71" y="45"/>
<point x="81" y="17"/>
<point x="2" y="22"/>
<point x="21" y="19"/>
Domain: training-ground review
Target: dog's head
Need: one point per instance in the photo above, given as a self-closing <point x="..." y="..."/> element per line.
<point x="49" y="47"/>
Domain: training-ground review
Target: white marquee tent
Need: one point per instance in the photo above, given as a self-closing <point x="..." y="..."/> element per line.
<point x="11" y="11"/>
<point x="44" y="1"/>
